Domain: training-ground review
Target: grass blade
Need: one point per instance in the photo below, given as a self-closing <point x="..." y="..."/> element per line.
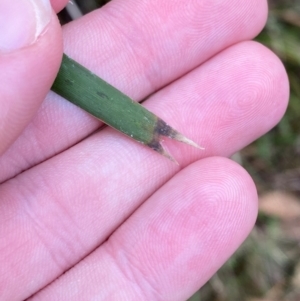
<point x="86" y="90"/>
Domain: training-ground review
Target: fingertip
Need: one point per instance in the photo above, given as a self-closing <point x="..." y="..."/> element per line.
<point x="216" y="207"/>
<point x="234" y="181"/>
<point x="186" y="231"/>
<point x="58" y="5"/>
<point x="268" y="79"/>
<point x="225" y="192"/>
<point x="276" y="78"/>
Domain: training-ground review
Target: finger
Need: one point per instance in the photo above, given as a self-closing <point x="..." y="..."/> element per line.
<point x="64" y="208"/>
<point x="173" y="243"/>
<point x="58" y="5"/>
<point x="30" y="54"/>
<point x="152" y="52"/>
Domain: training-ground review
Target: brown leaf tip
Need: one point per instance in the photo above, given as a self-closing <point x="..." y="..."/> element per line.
<point x="156" y="145"/>
<point x="163" y="129"/>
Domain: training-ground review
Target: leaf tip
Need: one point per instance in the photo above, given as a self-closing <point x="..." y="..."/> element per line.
<point x="156" y="145"/>
<point x="181" y="138"/>
<point x="163" y="129"/>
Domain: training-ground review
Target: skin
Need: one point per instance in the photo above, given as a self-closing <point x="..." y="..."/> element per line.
<point x="100" y="217"/>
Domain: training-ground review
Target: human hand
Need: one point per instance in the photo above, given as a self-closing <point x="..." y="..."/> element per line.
<point x="123" y="221"/>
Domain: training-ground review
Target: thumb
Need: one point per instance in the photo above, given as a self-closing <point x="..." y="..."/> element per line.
<point x="30" y="55"/>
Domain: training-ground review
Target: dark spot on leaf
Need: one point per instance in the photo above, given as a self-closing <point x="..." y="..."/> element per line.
<point x="101" y="94"/>
<point x="155" y="145"/>
<point x="163" y="129"/>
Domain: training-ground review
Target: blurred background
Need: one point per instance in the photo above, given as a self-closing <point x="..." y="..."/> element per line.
<point x="267" y="266"/>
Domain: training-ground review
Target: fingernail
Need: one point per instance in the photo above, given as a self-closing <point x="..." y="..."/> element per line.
<point x="22" y="22"/>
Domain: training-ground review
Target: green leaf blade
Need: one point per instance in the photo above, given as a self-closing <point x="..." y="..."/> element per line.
<point x="86" y="90"/>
